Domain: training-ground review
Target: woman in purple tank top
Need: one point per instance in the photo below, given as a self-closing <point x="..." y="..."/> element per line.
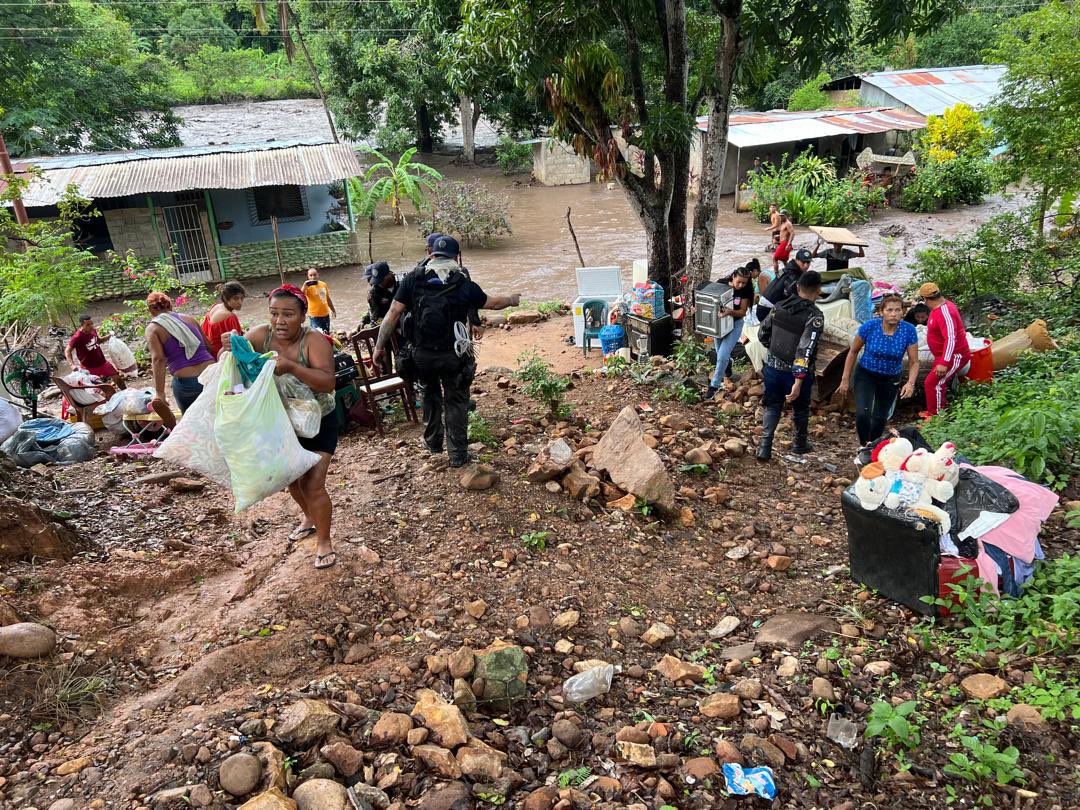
<point x="176" y="345"/>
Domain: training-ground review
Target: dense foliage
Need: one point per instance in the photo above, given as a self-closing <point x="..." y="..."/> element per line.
<point x="1029" y="419"/>
<point x="43" y="276"/>
<point x="73" y="76"/>
<point x="513" y="157"/>
<point x="216" y="75"/>
<point x="468" y="211"/>
<point x="810" y="96"/>
<point x="808" y="188"/>
<point x="953" y="166"/>
<point x="1037" y="114"/>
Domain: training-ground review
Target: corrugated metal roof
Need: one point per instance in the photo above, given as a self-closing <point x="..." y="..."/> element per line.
<point x="752" y="128"/>
<point x="933" y="91"/>
<point x="234" y="166"/>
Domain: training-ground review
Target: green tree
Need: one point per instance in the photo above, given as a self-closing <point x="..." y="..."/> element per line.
<point x="73" y="79"/>
<point x="961" y="41"/>
<point x="1037" y="113"/>
<point x="810" y="96"/>
<point x="193" y="27"/>
<point x="630" y="71"/>
<point x="43" y="276"/>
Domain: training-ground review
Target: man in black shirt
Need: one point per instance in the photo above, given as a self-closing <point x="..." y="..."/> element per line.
<point x="791" y="333"/>
<point x="382" y="286"/>
<point x="837" y="257"/>
<point x="438" y="297"/>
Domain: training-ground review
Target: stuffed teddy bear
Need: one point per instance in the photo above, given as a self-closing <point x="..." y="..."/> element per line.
<point x="914" y="489"/>
<point x="944" y="469"/>
<point x="872" y="486"/>
<point x="892" y="453"/>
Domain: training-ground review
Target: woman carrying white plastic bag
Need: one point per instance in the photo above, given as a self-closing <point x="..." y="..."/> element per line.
<point x="308" y="357"/>
<point x="256" y="437"/>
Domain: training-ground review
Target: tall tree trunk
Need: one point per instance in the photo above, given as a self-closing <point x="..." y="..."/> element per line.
<point x="1040" y="222"/>
<point x="315" y="78"/>
<point x="714" y="149"/>
<point x="468" y="132"/>
<point x="425" y="141"/>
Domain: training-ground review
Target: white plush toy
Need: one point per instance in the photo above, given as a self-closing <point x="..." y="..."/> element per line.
<point x="872" y="486"/>
<point x="944" y="469"/>
<point x="892" y="453"/>
<point x="915" y="490"/>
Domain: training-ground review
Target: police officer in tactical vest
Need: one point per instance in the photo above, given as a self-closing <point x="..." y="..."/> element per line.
<point x="438" y="297"/>
<point x="791" y="334"/>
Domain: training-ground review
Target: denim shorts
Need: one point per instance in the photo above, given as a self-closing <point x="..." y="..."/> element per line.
<point x="185" y="391"/>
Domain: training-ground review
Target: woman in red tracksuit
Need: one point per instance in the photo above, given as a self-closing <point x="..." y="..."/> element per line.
<point x="947" y="340"/>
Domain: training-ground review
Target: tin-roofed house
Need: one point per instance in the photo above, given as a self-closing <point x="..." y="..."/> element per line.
<point x="839" y="134"/>
<point x="208" y="210"/>
<point x="925" y="91"/>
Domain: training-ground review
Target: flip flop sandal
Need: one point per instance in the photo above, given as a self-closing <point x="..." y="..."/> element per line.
<point x="300" y="534"/>
<point x="330" y="555"/>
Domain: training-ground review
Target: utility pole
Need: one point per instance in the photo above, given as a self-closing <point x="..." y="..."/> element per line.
<point x="6" y="168"/>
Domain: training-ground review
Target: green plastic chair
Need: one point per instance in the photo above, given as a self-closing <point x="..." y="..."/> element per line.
<point x="595" y="314"/>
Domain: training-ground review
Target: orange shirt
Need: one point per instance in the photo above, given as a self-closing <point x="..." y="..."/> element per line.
<point x="318" y="299"/>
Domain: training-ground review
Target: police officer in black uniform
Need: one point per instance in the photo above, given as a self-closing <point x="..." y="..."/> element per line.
<point x="438" y="296"/>
<point x="791" y="334"/>
<point x="783" y="286"/>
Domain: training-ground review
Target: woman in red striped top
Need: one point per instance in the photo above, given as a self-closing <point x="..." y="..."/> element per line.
<point x="947" y="340"/>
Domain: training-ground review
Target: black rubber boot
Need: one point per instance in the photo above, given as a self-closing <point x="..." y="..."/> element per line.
<point x="802" y="444"/>
<point x="769" y="420"/>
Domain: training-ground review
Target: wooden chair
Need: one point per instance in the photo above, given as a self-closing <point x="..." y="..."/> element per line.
<point x="375" y="383"/>
<point x="84" y="413"/>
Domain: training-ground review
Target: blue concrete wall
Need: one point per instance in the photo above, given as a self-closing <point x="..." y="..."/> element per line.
<point x="232" y="206"/>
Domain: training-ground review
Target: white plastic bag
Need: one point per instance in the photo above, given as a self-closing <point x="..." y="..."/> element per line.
<point x="305" y="416"/>
<point x="10" y="419"/>
<point x="84" y="396"/>
<point x="256" y="437"/>
<point x="192" y="443"/>
<point x="122" y="358"/>
<point x="588" y="684"/>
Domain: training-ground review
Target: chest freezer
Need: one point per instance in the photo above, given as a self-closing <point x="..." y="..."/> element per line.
<point x="594" y="284"/>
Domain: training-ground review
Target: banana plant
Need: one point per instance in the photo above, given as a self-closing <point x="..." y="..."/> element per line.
<point x="396" y="182"/>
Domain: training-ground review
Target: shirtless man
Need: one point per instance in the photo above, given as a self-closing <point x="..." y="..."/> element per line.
<point x="774" y="226"/>
<point x="786" y="240"/>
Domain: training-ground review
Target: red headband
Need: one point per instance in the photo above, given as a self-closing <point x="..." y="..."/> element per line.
<point x="295" y="292"/>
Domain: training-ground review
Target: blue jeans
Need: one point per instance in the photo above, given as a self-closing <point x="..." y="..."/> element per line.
<point x="320" y="322"/>
<point x="778" y="385"/>
<point x="185" y="391"/>
<point x="724" y="347"/>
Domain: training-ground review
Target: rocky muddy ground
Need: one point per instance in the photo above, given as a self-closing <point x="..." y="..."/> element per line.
<point x="201" y="661"/>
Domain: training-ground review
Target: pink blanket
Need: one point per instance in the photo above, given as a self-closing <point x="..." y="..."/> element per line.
<point x="1017" y="535"/>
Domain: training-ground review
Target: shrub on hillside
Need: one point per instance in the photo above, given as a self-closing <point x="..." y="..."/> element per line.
<point x="468" y="211"/>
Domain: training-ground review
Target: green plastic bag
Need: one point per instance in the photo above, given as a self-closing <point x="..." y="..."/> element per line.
<point x="256" y="437"/>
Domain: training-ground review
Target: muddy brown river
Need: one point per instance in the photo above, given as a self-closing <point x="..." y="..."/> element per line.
<point x="538" y="260"/>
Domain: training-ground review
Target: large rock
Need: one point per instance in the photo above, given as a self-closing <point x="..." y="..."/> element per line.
<point x="479" y="477"/>
<point x="644" y="756"/>
<point x="392" y="728"/>
<point x="721" y="705"/>
<point x="503" y="670"/>
<point x="566" y="620"/>
<point x="982" y="686"/>
<point x="7" y="615"/>
<point x="240" y="773"/>
<point x="306" y="721"/>
<point x="454" y="796"/>
<point x="789" y="630"/>
<point x="632" y="465"/>
<point x="758" y="748"/>
<point x="675" y="669"/>
<point x="551" y="462"/>
<point x="272" y="799"/>
<point x="657" y="634"/>
<point x="461" y="661"/>
<point x="439" y="760"/>
<point x="26" y="532"/>
<point x="321" y="794"/>
<point x="26" y="640"/>
<point x="444" y="720"/>
<point x="479" y="764"/>
<point x="580" y="484"/>
<point x="347" y="761"/>
<point x="523" y="317"/>
<point x="1023" y="715"/>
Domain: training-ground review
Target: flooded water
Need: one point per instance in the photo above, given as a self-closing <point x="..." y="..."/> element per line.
<point x="538" y="260"/>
